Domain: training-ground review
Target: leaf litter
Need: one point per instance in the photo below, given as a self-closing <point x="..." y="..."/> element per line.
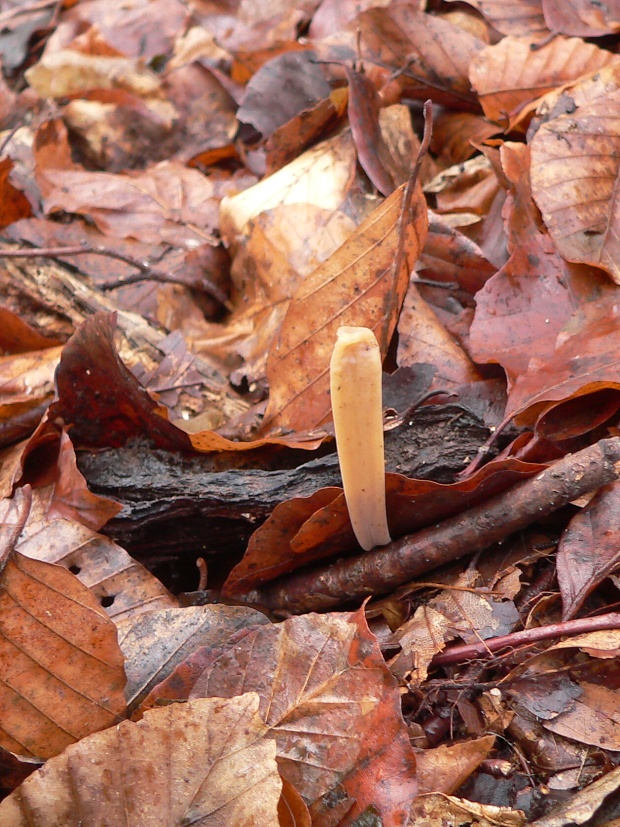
<point x="195" y="197"/>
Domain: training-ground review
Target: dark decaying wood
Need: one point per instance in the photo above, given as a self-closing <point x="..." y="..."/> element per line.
<point x="175" y="503"/>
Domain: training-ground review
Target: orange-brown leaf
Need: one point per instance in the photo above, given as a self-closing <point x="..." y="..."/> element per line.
<point x="363" y="283"/>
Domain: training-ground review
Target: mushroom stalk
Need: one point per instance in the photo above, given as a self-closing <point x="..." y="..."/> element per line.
<point x="355" y="378"/>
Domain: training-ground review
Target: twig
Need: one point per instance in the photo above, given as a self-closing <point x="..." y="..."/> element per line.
<point x="380" y="570"/>
<point x="145" y="267"/>
<point x="458" y="654"/>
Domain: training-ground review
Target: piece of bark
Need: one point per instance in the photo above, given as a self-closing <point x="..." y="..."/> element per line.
<point x="175" y="503"/>
<point x="381" y="570"/>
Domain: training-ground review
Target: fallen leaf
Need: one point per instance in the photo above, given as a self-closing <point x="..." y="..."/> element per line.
<point x="445" y="768"/>
<point x="62" y="669"/>
<point x="321" y="675"/>
<point x="574" y="172"/>
<point x="588" y="549"/>
<point x="363" y="283"/>
<point x="205" y="762"/>
<point x="514" y="72"/>
<point x="512" y="17"/>
<point x="155" y="643"/>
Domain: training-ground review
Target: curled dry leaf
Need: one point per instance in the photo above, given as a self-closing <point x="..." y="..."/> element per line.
<point x="575" y="168"/>
<point x="589" y="549"/>
<point x="206" y="762"/>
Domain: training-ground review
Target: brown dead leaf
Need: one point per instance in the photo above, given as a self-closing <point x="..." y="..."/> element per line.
<point x="62" y="669"/>
<point x="552" y="393"/>
<point x="281" y="89"/>
<point x="522" y="308"/>
<point x="205" y="762"/>
<point x="592" y="718"/>
<point x="433" y="54"/>
<point x="170" y="203"/>
<point x="13" y="203"/>
<point x="67" y="72"/>
<point x="435" y="809"/>
<point x="445" y="768"/>
<point x="364" y="106"/>
<point x="362" y="283"/>
<point x="154" y="644"/>
<point x="142" y="28"/>
<point x="574" y="173"/>
<point x="17" y="336"/>
<point x="26" y="389"/>
<point x="512" y="17"/>
<point x="511" y="74"/>
<point x="583" y="19"/>
<point x="588" y="550"/>
<point x="329" y="701"/>
<point x="423" y="339"/>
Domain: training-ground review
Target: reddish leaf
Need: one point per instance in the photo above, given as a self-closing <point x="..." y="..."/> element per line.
<point x="433" y="54"/>
<point x="516" y="17"/>
<point x="582" y="17"/>
<point x="61" y="666"/>
<point x="589" y="549"/>
<point x="512" y="74"/>
<point x="13" y="203"/>
<point x="364" y="119"/>
<point x="584" y="363"/>
<point x="521" y="309"/>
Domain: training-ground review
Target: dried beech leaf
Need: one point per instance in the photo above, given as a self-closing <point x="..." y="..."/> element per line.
<point x="155" y="643"/>
<point x="206" y="762"/>
<point x="589" y="549"/>
<point x="575" y="168"/>
<point x="332" y="707"/>
<point x="523" y="307"/>
<point x="582" y="18"/>
<point x="585" y="363"/>
<point x="362" y="283"/>
<point x="61" y="666"/>
<point x="511" y="74"/>
<point x="445" y="768"/>
<point x="517" y="17"/>
<point x="432" y="54"/>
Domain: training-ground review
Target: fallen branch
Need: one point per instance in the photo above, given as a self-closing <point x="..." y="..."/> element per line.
<point x="525" y="637"/>
<point x="382" y="569"/>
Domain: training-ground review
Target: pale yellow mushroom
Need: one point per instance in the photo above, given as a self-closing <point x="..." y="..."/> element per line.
<point x="355" y="378"/>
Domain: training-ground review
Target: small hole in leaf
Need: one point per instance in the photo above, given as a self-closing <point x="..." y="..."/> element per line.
<point x="107" y="600"/>
<point x="75" y="569"/>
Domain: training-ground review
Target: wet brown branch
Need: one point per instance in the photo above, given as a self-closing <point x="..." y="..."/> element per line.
<point x="382" y="569"/>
